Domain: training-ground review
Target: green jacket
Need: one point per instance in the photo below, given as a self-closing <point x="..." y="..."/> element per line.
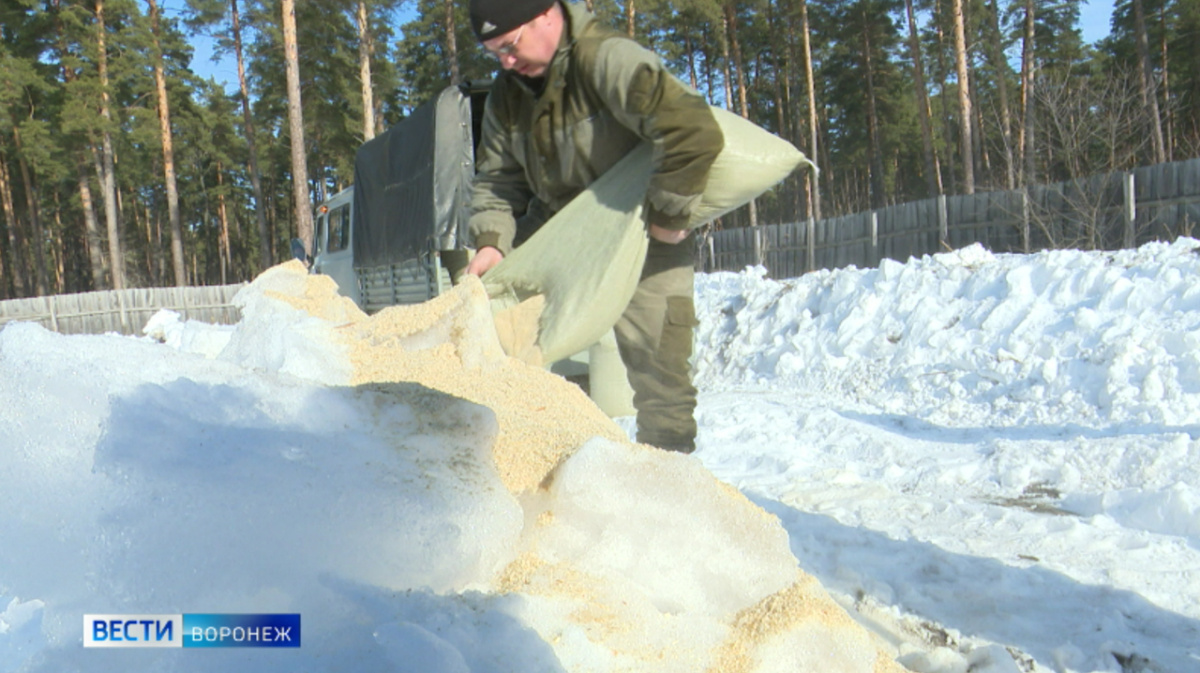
<point x="602" y="94"/>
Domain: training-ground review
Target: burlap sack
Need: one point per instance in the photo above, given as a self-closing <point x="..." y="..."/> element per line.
<point x="587" y="259"/>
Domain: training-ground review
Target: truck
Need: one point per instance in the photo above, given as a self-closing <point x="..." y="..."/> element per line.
<point x="399" y="233"/>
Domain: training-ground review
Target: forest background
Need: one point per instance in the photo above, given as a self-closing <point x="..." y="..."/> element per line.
<point x="120" y="166"/>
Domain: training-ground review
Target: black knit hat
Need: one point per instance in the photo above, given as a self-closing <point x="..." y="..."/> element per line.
<point x="492" y="18"/>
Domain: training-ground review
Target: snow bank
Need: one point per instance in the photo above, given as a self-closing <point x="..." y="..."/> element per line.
<point x="421" y="500"/>
<point x="986" y="453"/>
<point x="968" y="336"/>
<point x="138" y="480"/>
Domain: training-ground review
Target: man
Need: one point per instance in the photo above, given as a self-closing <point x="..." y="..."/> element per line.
<point x="573" y="98"/>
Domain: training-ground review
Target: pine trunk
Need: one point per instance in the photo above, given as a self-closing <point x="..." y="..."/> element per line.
<point x="168" y="150"/>
<point x="1028" y="80"/>
<point x="452" y="42"/>
<point x="691" y="60"/>
<point x="814" y="197"/>
<point x="1001" y="65"/>
<point x="1149" y="95"/>
<point x="966" y="147"/>
<point x="707" y="65"/>
<point x="106" y="170"/>
<point x="300" y="199"/>
<point x="57" y="249"/>
<point x="725" y="68"/>
<point x="791" y="129"/>
<point x="264" y="235"/>
<point x="877" y="198"/>
<point x="1169" y="111"/>
<point x="91" y="228"/>
<point x="37" y="247"/>
<point x="366" y="46"/>
<point x="933" y="173"/>
<point x="945" y="117"/>
<point x="983" y="158"/>
<point x="18" y="278"/>
<point x="92" y="238"/>
<point x="6" y="292"/>
<point x="739" y="68"/>
<point x="782" y="102"/>
<point x="739" y="65"/>
<point x="223" y="217"/>
<point x="630" y="15"/>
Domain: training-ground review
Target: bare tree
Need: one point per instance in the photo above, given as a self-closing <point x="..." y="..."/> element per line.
<point x="1093" y="128"/>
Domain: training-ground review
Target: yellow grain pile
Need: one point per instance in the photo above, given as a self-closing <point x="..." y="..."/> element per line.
<point x="449" y="344"/>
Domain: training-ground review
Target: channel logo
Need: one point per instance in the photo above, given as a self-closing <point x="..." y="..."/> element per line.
<point x="192" y="630"/>
<point x="133" y="630"/>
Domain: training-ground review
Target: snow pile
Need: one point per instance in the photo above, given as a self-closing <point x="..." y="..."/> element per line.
<point x="312" y="467"/>
<point x="138" y="480"/>
<point x="980" y="452"/>
<point x="169" y="327"/>
<point x="969" y="337"/>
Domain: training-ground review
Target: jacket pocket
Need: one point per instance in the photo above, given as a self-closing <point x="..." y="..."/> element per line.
<point x="675" y="343"/>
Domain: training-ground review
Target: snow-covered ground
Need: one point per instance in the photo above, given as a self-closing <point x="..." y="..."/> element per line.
<point x="991" y="460"/>
<point x="1002" y="445"/>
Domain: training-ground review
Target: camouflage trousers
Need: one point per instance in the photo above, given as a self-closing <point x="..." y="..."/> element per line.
<point x="654" y="337"/>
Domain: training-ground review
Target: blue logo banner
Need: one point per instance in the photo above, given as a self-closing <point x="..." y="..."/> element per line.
<point x="241" y="630"/>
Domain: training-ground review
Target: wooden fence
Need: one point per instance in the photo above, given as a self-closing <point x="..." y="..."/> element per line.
<point x="122" y="311"/>
<point x="1104" y="212"/>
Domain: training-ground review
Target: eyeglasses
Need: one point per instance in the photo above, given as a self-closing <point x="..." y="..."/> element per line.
<point x="510" y="48"/>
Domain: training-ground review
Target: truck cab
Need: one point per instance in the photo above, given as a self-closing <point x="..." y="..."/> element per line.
<point x="334" y="256"/>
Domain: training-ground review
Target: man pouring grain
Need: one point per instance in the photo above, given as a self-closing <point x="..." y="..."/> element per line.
<point x="572" y="99"/>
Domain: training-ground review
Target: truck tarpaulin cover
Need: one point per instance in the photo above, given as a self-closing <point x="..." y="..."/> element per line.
<point x="584" y="263"/>
<point x="412" y="184"/>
